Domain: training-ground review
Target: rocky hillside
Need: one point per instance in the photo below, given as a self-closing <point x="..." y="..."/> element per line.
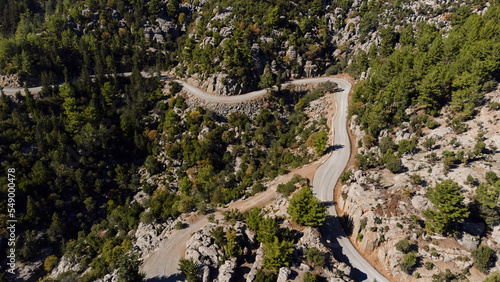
<point x="208" y="248"/>
<point x="394" y="208"/>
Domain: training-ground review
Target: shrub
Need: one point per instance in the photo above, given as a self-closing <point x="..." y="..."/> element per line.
<point x="495" y="277"/>
<point x="484" y="257"/>
<point x="359" y="237"/>
<point x="345" y="176"/>
<point x="416" y="179"/>
<point x="315" y="256"/>
<point x="362" y="223"/>
<point x="403" y="246"/>
<point x="179" y="225"/>
<point x="309" y="277"/>
<point x="431" y="124"/>
<point x="189" y="269"/>
<point x="394" y="165"/>
<point x="409" y="262"/>
<point x="429" y="265"/>
<point x="50" y="262"/>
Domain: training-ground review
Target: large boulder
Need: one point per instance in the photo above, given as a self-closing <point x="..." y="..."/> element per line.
<point x="467" y="240"/>
<point x="284" y="272"/>
<point x="226" y="271"/>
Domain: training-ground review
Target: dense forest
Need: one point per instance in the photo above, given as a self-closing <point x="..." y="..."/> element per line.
<point x="91" y="138"/>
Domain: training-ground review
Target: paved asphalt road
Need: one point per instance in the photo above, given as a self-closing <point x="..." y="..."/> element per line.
<point x="325" y="177"/>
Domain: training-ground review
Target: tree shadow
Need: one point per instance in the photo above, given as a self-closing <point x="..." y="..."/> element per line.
<point x="172" y="278"/>
<point x="332" y="148"/>
<point x="333" y="232"/>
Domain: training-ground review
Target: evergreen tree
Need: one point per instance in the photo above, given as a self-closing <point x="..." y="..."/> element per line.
<point x="449" y="207"/>
<point x="277" y="254"/>
<point x="189" y="269"/>
<point x="306" y="209"/>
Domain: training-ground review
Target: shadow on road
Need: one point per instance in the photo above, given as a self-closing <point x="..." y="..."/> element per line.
<point x="333" y="148"/>
<point x="331" y="240"/>
<point x="171" y="278"/>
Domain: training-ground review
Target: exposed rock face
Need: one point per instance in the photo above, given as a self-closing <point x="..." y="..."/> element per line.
<point x="226" y="270"/>
<point x="148" y="236"/>
<point x="201" y="248"/>
<point x="284" y="272"/>
<point x="110" y="277"/>
<point x="421" y="203"/>
<point x="310" y="69"/>
<point x="250" y="108"/>
<point x="64" y="265"/>
<point x="10" y="80"/>
<point x="221" y="84"/>
<point x="259" y="256"/>
<point x="467" y="240"/>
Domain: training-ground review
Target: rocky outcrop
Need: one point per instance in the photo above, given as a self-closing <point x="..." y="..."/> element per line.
<point x="65" y="264"/>
<point x="250" y="108"/>
<point x="259" y="256"/>
<point x="283" y="274"/>
<point x="226" y="271"/>
<point x="201" y="248"/>
<point x="10" y="81"/>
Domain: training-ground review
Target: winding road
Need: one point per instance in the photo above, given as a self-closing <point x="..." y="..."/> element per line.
<point x="324" y="182"/>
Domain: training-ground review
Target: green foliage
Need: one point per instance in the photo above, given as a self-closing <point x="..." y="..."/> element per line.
<point x="404" y="246"/>
<point x="277" y="254"/>
<point x="484" y="258"/>
<point x="309" y="277"/>
<point x="449" y="207"/>
<point x="306" y="209"/>
<point x="346" y="175"/>
<point x="288" y="188"/>
<point x="265" y="276"/>
<point x="407" y="146"/>
<point x="320" y="142"/>
<point x="50" y="262"/>
<point x="268" y="228"/>
<point x="315" y="256"/>
<point x="429" y="265"/>
<point x="409" y="262"/>
<point x="189" y="269"/>
<point x="429" y="143"/>
<point x="495" y="277"/>
<point x="129" y="269"/>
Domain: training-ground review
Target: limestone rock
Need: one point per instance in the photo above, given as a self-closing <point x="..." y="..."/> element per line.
<point x="421" y="203"/>
<point x="467" y="240"/>
<point x="259" y="256"/>
<point x="284" y="272"/>
<point x="310" y="69"/>
<point x="226" y="270"/>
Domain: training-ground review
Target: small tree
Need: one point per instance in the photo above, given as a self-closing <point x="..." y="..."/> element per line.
<point x="449" y="207"/>
<point x="484" y="257"/>
<point x="409" y="261"/>
<point x="306" y="209"/>
<point x="277" y="254"/>
<point x="189" y="269"/>
<point x="315" y="256"/>
<point x="495" y="277"/>
<point x="320" y="142"/>
<point x="403" y="246"/>
<point x="429" y="143"/>
<point x="309" y="277"/>
<point x="50" y="262"/>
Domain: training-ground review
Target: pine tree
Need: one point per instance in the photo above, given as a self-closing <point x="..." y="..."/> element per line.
<point x="306" y="209"/>
<point x="189" y="269"/>
<point x="277" y="254"/>
<point x="449" y="207"/>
